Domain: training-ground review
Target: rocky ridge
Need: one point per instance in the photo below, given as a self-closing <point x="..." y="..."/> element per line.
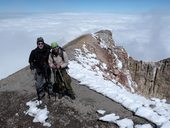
<point x="150" y="79"/>
<point x="116" y="65"/>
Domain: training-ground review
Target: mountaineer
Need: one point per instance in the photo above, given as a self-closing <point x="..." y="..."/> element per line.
<point x="58" y="61"/>
<point x="38" y="60"/>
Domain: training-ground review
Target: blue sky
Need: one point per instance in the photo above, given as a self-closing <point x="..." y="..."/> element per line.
<point x="111" y="6"/>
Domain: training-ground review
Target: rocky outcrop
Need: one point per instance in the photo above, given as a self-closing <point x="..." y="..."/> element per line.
<point x="153" y="78"/>
<point x="146" y="78"/>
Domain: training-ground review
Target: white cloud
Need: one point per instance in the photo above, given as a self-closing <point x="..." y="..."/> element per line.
<point x="144" y="36"/>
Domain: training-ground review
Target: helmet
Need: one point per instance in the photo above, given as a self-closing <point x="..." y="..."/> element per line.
<point x="40" y="39"/>
<point x="54" y="45"/>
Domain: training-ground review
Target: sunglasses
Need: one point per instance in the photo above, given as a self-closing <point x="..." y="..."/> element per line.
<point x="40" y="44"/>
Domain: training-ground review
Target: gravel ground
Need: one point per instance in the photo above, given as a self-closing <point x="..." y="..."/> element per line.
<point x="18" y="89"/>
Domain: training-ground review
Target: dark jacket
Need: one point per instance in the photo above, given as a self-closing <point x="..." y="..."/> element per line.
<point x="39" y="57"/>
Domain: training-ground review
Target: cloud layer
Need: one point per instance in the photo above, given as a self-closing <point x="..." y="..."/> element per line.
<point x="145" y="36"/>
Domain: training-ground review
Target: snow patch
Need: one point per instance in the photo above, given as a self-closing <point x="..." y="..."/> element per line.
<point x="40" y="115"/>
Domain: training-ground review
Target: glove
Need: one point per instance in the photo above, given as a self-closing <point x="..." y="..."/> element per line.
<point x="33" y="72"/>
<point x="32" y="69"/>
<point x="31" y="66"/>
<point x="54" y="66"/>
<point x="58" y="66"/>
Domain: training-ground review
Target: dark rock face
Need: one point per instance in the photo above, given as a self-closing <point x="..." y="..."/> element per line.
<point x="147" y="78"/>
<point x="145" y="75"/>
<point x="163" y="78"/>
<point x="152" y="78"/>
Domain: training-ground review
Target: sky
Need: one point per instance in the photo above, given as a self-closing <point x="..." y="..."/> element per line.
<point x="153" y="109"/>
<point x="119" y="6"/>
<point x="140" y="26"/>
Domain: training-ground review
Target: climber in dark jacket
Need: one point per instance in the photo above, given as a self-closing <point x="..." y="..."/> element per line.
<point x="38" y="60"/>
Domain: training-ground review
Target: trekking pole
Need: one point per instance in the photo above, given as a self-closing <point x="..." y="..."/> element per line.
<point x="61" y="77"/>
<point x="70" y="93"/>
<point x="55" y="82"/>
<point x="48" y="91"/>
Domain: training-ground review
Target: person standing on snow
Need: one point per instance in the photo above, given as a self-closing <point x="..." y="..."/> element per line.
<point x="38" y="60"/>
<point x="58" y="61"/>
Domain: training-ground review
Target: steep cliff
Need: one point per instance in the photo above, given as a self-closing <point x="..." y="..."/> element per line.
<point x="152" y="77"/>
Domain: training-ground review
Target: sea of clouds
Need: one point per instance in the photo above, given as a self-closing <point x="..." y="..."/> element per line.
<point x="145" y="36"/>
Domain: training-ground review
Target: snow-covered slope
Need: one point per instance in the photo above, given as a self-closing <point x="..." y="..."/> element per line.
<point x="99" y="64"/>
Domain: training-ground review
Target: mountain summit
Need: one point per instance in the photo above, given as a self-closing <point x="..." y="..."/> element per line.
<point x="95" y="61"/>
<point x="150" y="79"/>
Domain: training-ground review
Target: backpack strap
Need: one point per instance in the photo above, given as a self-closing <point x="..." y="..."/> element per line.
<point x="61" y="54"/>
<point x="52" y="56"/>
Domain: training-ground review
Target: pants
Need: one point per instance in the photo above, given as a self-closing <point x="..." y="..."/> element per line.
<point x="63" y="80"/>
<point x="40" y="80"/>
